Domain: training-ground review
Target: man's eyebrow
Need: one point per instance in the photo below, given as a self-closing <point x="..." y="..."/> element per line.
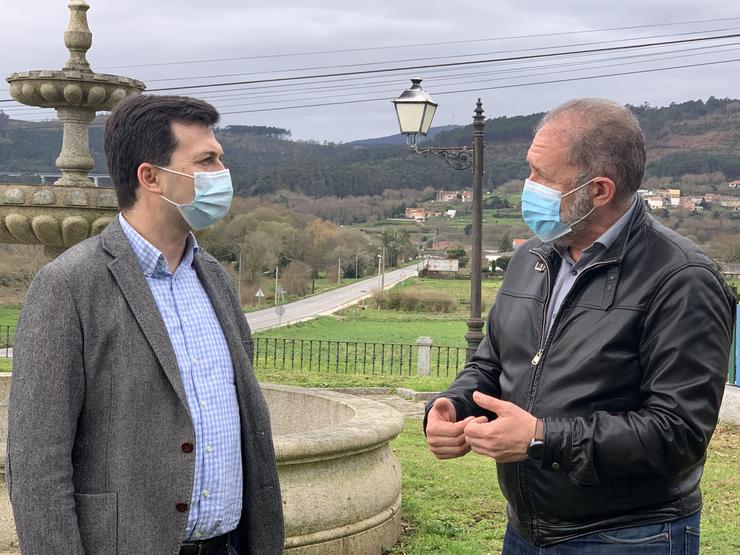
<point x="535" y="168"/>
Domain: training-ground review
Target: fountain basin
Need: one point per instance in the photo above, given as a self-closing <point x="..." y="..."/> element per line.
<point x="339" y="478"/>
<point x="56" y="217"/>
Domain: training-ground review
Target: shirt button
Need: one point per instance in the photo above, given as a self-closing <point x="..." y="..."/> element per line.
<point x="196" y="535"/>
<point x="203" y="404"/>
<point x="555" y="466"/>
<point x="181" y="507"/>
<point x="573" y="272"/>
<point x="195" y="361"/>
<point x="187" y="447"/>
<point x="209" y="448"/>
<point x="205" y="493"/>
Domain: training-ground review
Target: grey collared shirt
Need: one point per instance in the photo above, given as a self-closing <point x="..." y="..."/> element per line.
<point x="570" y="269"/>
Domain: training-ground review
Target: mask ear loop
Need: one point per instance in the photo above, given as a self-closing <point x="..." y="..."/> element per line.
<point x="579" y="220"/>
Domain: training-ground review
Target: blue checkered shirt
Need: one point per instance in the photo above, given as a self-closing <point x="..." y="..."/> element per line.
<point x="208" y="376"/>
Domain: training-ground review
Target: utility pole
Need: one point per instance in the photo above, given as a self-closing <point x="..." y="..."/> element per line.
<point x="240" y="276"/>
<point x="277" y="268"/>
<point x="339" y="270"/>
<point x="382" y="273"/>
<point x="356" y="276"/>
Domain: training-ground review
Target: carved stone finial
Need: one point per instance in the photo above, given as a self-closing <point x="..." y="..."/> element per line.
<point x="77" y="37"/>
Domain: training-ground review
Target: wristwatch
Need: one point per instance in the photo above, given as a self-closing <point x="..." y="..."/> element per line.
<point x="536" y="449"/>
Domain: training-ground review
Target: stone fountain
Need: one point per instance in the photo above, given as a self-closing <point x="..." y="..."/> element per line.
<point x="72" y="209"/>
<point x="340" y="481"/>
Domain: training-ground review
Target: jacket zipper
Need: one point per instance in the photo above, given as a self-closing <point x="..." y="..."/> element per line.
<point x="544" y="343"/>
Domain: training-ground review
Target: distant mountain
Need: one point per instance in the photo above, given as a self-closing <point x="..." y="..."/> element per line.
<point x="399" y="139"/>
<point x="695" y="137"/>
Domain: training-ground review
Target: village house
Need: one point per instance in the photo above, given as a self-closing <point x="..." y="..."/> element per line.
<point x="466" y="196"/>
<point x="672" y="196"/>
<point x="687" y="204"/>
<point x="418" y="214"/>
<point x="446" y="196"/>
<point x="440" y="245"/>
<point x="656" y="202"/>
<point x="733" y="184"/>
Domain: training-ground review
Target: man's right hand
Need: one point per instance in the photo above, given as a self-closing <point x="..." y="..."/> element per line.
<point x="446" y="436"/>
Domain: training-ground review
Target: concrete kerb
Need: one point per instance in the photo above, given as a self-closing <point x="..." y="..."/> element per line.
<point x="729" y="411"/>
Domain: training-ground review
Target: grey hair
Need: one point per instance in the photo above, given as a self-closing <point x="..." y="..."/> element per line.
<point x="605" y="140"/>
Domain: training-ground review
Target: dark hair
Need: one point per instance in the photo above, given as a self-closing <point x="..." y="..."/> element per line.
<point x="139" y="129"/>
<point x="605" y="140"/>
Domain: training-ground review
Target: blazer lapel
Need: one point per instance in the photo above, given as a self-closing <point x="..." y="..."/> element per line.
<point x="127" y="273"/>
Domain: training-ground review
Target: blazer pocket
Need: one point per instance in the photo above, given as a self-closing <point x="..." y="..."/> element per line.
<point x="97" y="518"/>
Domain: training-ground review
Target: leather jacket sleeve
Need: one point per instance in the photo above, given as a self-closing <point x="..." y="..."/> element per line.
<point x="481" y="373"/>
<point x="685" y="338"/>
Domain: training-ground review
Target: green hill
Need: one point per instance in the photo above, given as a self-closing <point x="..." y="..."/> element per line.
<point x="694" y="137"/>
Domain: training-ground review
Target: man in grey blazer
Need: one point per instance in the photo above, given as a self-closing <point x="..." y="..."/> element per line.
<point x="136" y="424"/>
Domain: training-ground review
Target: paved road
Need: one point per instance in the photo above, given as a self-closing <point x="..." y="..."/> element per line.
<point x="325" y="303"/>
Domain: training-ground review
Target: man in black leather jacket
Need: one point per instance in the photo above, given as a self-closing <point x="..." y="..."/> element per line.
<point x="597" y="386"/>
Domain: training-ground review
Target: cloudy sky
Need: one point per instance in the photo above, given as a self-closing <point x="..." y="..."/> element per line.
<point x="180" y="43"/>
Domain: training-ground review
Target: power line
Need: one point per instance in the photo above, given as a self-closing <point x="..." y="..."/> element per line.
<point x="641" y="58"/>
<point x="443" y="93"/>
<point x="425" y="44"/>
<point x="427" y="58"/>
<point x="444" y="65"/>
<point x="451" y="64"/>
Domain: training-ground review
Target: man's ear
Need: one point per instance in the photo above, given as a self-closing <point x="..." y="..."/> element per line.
<point x="149" y="178"/>
<point x="604" y="191"/>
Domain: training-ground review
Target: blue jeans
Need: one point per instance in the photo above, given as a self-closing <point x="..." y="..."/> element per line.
<point x="677" y="537"/>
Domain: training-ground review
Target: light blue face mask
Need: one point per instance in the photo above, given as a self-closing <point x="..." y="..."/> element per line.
<point x="213" y="194"/>
<point x="541" y="210"/>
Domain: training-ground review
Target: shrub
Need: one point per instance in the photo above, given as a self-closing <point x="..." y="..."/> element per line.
<point x="417" y="300"/>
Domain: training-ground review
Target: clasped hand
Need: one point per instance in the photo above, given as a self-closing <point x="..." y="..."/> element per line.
<point x="504" y="439"/>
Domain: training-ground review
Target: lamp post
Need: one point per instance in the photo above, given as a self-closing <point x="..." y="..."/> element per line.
<point x="415" y="110"/>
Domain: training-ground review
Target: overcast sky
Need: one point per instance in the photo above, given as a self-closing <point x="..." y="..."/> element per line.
<point x="276" y="39"/>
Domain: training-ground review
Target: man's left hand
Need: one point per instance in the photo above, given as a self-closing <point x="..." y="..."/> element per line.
<point x="505" y="439"/>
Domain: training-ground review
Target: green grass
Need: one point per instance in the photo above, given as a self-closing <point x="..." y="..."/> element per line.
<point x="6" y="364"/>
<point x="381" y="326"/>
<point x="331" y="380"/>
<point x="9" y="314"/>
<point x="456" y="506"/>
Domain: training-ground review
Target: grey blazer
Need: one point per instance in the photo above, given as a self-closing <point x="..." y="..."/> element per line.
<point x="98" y="415"/>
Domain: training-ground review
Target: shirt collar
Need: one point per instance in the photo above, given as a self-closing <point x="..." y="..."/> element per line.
<point x="151" y="260"/>
<point x="605" y="240"/>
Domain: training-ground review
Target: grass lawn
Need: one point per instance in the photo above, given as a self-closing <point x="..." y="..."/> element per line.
<point x="304" y="378"/>
<point x="392" y="326"/>
<point x="9" y="314"/>
<point x="6" y="364"/>
<point x="456" y="506"/>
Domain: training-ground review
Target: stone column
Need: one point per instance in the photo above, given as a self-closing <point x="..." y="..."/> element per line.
<point x="75" y="160"/>
<point x="424" y="354"/>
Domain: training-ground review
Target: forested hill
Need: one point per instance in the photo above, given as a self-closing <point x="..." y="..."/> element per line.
<point x="692" y="137"/>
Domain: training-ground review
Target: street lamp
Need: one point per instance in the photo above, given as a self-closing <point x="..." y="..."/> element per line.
<point x="415" y="110"/>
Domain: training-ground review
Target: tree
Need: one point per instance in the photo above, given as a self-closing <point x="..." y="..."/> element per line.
<point x="505" y="243"/>
<point x="502" y="262"/>
<point x="457" y="252"/>
<point x="295" y="278"/>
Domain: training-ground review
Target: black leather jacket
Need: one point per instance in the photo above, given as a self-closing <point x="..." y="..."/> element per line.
<point x="628" y="381"/>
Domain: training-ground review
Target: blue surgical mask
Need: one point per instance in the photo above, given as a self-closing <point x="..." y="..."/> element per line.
<point x="213" y="194"/>
<point x="541" y="210"/>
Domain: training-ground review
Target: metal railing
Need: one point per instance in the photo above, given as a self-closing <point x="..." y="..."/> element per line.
<point x="357" y="357"/>
<point x="7" y="335"/>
